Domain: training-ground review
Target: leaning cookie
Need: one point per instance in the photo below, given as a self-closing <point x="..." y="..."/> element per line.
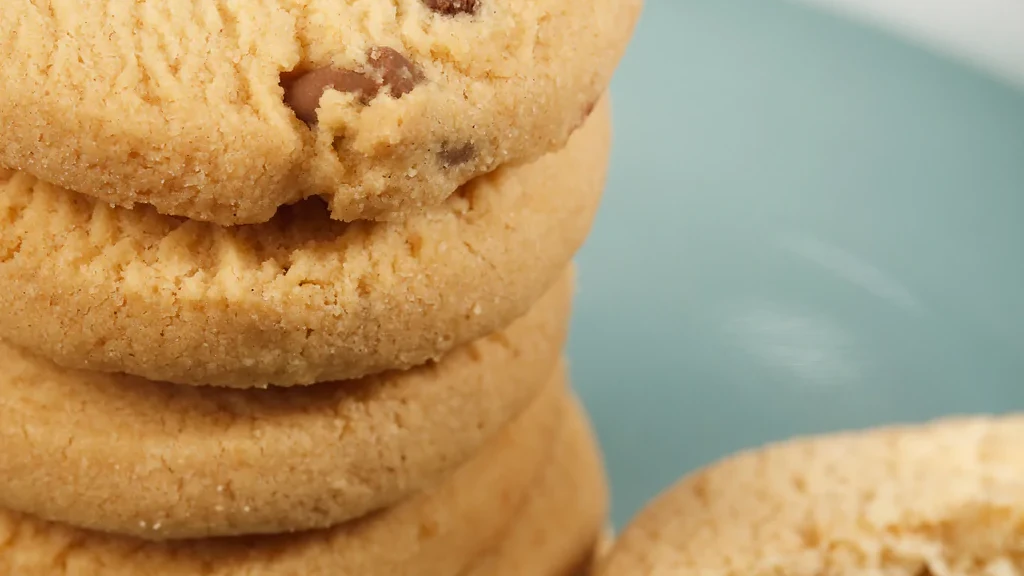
<point x="300" y="300"/>
<point x="944" y="499"/>
<point x="161" y="461"/>
<point x="436" y="533"/>
<point x="224" y="112"/>
<point x="556" y="533"/>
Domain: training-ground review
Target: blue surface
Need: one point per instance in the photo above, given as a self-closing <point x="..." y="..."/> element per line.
<point x="809" y="225"/>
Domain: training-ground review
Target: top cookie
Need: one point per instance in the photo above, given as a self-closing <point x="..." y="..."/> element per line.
<point x="942" y="499"/>
<point x="223" y="111"/>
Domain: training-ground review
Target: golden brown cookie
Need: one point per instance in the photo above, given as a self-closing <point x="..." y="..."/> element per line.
<point x="302" y="299"/>
<point x="556" y="532"/>
<point x="223" y="111"/>
<point x="436" y="533"/>
<point x="157" y="460"/>
<point x="939" y="499"/>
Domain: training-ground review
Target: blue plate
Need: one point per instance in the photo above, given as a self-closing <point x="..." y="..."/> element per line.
<point x="809" y="225"/>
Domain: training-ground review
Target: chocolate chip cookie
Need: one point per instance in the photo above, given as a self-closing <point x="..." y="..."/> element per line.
<point x="225" y="111"/>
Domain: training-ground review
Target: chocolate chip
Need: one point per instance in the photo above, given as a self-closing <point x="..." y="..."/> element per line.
<point x="288" y="77"/>
<point x="452" y="7"/>
<point x="456" y="156"/>
<point x="387" y="68"/>
<point x="302" y="92"/>
<point x="396" y="72"/>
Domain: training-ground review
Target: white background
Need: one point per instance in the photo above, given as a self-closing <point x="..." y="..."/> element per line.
<point x="986" y="33"/>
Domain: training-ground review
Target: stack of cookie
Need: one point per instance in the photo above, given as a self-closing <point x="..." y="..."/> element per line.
<point x="286" y="284"/>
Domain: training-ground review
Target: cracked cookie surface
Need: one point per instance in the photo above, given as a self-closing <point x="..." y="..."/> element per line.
<point x="162" y="461"/>
<point x="226" y="110"/>
<point x="943" y="498"/>
<point x="298" y="300"/>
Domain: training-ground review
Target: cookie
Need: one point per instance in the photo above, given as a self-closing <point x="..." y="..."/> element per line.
<point x="556" y="532"/>
<point x="300" y="300"/>
<point x="944" y="498"/>
<point x="436" y="533"/>
<point x="159" y="461"/>
<point x="224" y="111"/>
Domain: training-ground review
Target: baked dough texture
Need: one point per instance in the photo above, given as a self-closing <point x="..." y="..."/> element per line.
<point x="157" y="460"/>
<point x="557" y="531"/>
<point x="194" y="107"/>
<point x="436" y="533"/>
<point x="299" y="300"/>
<point x="944" y="498"/>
